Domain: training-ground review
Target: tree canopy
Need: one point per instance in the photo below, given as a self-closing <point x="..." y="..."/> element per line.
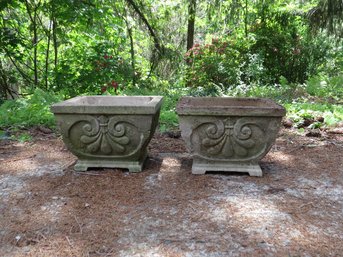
<point x="78" y="46"/>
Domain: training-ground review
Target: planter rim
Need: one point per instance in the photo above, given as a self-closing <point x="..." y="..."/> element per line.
<point x="109" y="105"/>
<point x="229" y="106"/>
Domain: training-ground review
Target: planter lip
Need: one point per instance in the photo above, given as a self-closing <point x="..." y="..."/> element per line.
<point x="96" y="104"/>
<point x="229" y="106"/>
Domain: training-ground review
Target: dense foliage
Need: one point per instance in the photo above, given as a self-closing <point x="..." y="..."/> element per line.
<point x="291" y="51"/>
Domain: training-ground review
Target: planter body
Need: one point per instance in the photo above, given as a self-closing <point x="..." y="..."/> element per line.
<point x="228" y="134"/>
<point x="108" y="131"/>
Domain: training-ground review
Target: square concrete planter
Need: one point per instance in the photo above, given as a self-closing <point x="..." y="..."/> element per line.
<point x="108" y="131"/>
<point x="228" y="134"/>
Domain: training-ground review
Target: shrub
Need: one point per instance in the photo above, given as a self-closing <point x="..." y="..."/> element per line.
<point x="216" y="64"/>
<point x="94" y="71"/>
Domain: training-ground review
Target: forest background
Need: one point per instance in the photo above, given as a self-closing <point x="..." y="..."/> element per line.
<point x="291" y="51"/>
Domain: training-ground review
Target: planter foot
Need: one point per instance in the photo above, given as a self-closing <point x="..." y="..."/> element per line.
<point x="201" y="168"/>
<point x="256" y="173"/>
<point x="132" y="166"/>
<point x="80" y="166"/>
<point x="198" y="171"/>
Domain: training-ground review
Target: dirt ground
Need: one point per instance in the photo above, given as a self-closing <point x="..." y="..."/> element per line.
<point x="295" y="209"/>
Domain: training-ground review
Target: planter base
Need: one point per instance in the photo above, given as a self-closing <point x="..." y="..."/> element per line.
<point x="132" y="166"/>
<point x="253" y="169"/>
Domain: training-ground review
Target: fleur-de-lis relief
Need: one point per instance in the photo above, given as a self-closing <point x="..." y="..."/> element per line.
<point x="105" y="135"/>
<point x="229" y="137"/>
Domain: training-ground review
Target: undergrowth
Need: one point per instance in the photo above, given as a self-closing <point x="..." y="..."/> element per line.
<point x="331" y="113"/>
<point x="319" y="97"/>
<point x="29" y="111"/>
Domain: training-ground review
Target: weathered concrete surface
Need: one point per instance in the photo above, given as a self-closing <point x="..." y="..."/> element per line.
<point x="229" y="134"/>
<point x="108" y="131"/>
<point x="110" y="105"/>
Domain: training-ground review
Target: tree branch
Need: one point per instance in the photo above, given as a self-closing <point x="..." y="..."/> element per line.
<point x="17" y="67"/>
<point x="157" y="43"/>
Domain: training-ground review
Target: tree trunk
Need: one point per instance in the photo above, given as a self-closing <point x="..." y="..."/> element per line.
<point x="191" y="22"/>
<point x="246" y="19"/>
<point x="47" y="56"/>
<point x="4" y="87"/>
<point x="132" y="51"/>
<point x="35" y="42"/>
<point x="33" y="20"/>
<point x="54" y="39"/>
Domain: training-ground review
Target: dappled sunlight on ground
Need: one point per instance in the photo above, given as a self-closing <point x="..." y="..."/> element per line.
<point x="170" y="164"/>
<point x="296" y="208"/>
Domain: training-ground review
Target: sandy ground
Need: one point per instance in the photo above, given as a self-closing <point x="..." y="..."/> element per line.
<point x="295" y="209"/>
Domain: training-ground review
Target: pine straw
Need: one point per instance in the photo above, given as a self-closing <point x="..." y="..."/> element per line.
<point x="296" y="208"/>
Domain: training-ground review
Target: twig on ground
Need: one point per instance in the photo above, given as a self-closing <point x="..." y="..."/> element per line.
<point x="78" y="223"/>
<point x="41" y="234"/>
<point x="71" y="245"/>
<point x="23" y="158"/>
<point x="336" y="131"/>
<point x="306" y="204"/>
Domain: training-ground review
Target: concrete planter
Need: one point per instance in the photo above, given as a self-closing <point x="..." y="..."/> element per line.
<point x="108" y="131"/>
<point x="228" y="134"/>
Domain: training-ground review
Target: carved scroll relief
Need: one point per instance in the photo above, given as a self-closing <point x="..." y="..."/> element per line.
<point x="233" y="138"/>
<point x="103" y="135"/>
